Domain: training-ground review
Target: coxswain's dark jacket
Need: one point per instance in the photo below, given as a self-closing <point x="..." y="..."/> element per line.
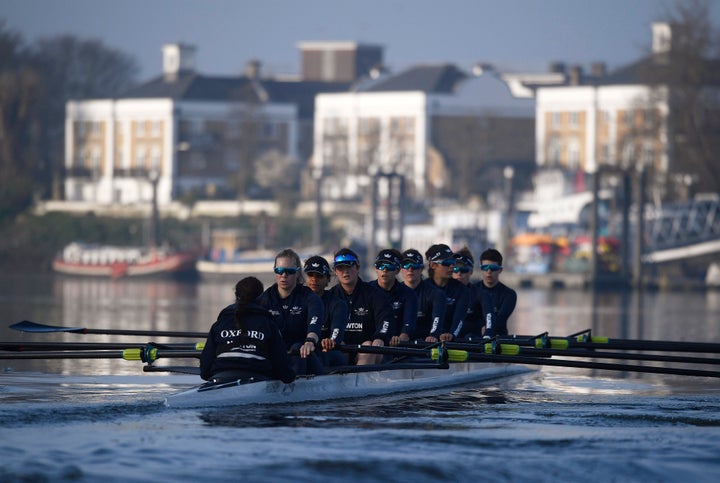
<point x="457" y="300"/>
<point x="256" y="349"/>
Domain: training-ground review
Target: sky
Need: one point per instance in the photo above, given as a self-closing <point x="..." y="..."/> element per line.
<point x="514" y="35"/>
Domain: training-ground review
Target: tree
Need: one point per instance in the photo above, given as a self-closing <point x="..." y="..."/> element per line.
<point x="20" y="97"/>
<point x="36" y="81"/>
<point x="74" y="68"/>
<point x="687" y="76"/>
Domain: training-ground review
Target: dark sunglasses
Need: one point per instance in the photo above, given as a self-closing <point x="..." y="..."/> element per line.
<point x="448" y="262"/>
<point x="490" y="266"/>
<point x="286" y="270"/>
<point x="461" y="269"/>
<point x="413" y="266"/>
<point x="386" y="266"/>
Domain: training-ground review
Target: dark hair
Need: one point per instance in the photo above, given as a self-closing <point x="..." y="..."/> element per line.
<point x="247" y="291"/>
<point x="465" y="252"/>
<point x="493" y="255"/>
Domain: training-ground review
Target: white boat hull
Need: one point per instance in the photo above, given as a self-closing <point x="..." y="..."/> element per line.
<point x="342" y="386"/>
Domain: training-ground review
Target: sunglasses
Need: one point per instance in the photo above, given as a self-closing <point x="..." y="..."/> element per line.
<point x="490" y="266"/>
<point x="413" y="266"/>
<point x="386" y="266"/>
<point x="286" y="270"/>
<point x="461" y="269"/>
<point x="448" y="262"/>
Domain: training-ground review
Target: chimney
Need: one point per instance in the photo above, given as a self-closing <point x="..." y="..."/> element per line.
<point x="178" y="59"/>
<point x="598" y="70"/>
<point x="575" y="75"/>
<point x="661" y="37"/>
<point x="252" y="69"/>
<point x="557" y="68"/>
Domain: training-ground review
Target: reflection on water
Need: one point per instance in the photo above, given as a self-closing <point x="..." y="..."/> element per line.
<point x="193" y="306"/>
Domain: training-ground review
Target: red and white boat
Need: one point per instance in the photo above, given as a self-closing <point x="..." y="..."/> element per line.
<point x="116" y="261"/>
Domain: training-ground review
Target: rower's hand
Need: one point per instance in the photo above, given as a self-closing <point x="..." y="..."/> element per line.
<point x="394" y="340"/>
<point x="327" y="344"/>
<point x="306" y="349"/>
<point x="446" y="337"/>
<point x="431" y="339"/>
<point x="378" y="343"/>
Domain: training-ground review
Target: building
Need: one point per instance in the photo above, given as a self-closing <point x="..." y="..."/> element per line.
<point x="185" y="135"/>
<point x="437" y="126"/>
<point x="626" y="119"/>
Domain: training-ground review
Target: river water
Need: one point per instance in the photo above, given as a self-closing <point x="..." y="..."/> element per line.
<point x="103" y="419"/>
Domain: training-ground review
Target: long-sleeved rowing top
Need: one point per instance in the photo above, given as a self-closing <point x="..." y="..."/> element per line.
<point x="371" y="314"/>
<point x="404" y="303"/>
<point x="498" y="304"/>
<point x="431" y="310"/>
<point x="297" y="315"/>
<point x="336" y="317"/>
<point x="457" y="300"/>
<point x="257" y="348"/>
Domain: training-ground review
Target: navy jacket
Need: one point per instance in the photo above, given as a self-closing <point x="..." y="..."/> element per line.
<point x="457" y="301"/>
<point x="498" y="304"/>
<point x="404" y="303"/>
<point x="371" y="314"/>
<point x="472" y="326"/>
<point x="258" y="348"/>
<point x="297" y="315"/>
<point x="336" y="317"/>
<point x="431" y="310"/>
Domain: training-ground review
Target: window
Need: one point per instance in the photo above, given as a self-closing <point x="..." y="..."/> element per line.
<point x="140" y="128"/>
<point x="554" y="150"/>
<point x="574" y="119"/>
<point x="555" y="120"/>
<point x="155" y="159"/>
<point x="140" y="157"/>
<point x="628" y="154"/>
<point x="628" y="118"/>
<point x="156" y="129"/>
<point x="648" y="153"/>
<point x="269" y="130"/>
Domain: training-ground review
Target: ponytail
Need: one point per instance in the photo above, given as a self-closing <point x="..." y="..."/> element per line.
<point x="247" y="291"/>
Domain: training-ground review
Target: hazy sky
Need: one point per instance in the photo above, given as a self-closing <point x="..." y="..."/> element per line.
<point x="517" y="35"/>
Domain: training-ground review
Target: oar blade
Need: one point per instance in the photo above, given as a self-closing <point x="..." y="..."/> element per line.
<point x="29" y="326"/>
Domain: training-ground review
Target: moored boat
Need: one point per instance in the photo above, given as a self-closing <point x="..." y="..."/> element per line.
<point x="360" y="382"/>
<point x="118" y="261"/>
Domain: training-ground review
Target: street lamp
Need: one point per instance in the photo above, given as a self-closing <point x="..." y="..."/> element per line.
<point x="508" y="174"/>
<point x="154" y="176"/>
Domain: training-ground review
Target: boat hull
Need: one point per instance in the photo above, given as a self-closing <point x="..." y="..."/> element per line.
<point x="343" y="386"/>
<point x="174" y="264"/>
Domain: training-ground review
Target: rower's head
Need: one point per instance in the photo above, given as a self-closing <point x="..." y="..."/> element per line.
<point x="491" y="267"/>
<point x="412" y="265"/>
<point x="287" y="268"/>
<point x="317" y="272"/>
<point x="346" y="265"/>
<point x="387" y="266"/>
<point x="441" y="261"/>
<point x="248" y="290"/>
<point x="464" y="264"/>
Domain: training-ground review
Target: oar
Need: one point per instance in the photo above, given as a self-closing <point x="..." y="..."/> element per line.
<point x="586" y="341"/>
<point x="29" y="326"/>
<point x="148" y="355"/>
<point x="514" y="349"/>
<point x="78" y="346"/>
<point x="462" y="356"/>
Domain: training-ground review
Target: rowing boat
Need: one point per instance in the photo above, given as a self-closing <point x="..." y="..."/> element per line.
<point x="360" y="382"/>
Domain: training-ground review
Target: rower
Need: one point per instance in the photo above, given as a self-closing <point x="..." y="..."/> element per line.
<point x="317" y="271"/>
<point x="431" y="305"/>
<point x="244" y="343"/>
<point x="441" y="262"/>
<point x="371" y="318"/>
<point x="498" y="300"/>
<point x="403" y="299"/>
<point x="463" y="271"/>
<point x="298" y="312"/>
